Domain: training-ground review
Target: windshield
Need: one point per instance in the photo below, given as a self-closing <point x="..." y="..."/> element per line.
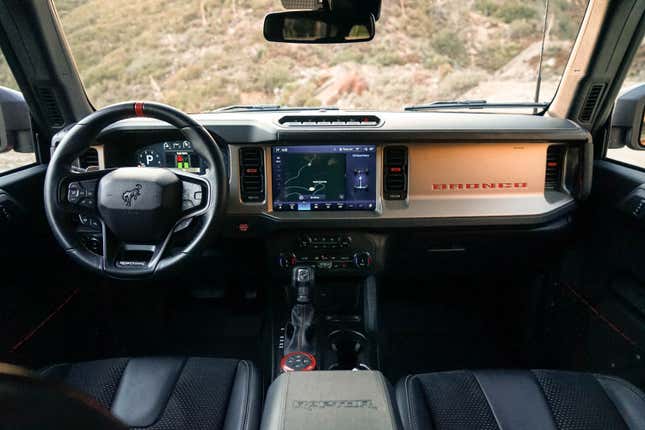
<point x="202" y="55"/>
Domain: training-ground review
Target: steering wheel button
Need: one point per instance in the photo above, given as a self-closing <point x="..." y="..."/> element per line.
<point x="88" y="202"/>
<point x="74" y="192"/>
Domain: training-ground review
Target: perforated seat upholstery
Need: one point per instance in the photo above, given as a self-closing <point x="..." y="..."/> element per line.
<point x="516" y="399"/>
<point x="170" y="392"/>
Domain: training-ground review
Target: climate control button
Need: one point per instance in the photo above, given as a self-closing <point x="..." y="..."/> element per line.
<point x="362" y="260"/>
<point x="287" y="260"/>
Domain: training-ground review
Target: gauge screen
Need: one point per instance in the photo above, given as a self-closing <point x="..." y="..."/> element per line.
<point x="149" y="158"/>
<point x="176" y="154"/>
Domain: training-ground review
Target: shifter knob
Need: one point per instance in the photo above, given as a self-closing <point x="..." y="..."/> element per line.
<point x="303" y="281"/>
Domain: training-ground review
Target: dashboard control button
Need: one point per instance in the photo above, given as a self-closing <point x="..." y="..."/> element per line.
<point x="287" y="260"/>
<point x="362" y="260"/>
<point x="325" y="265"/>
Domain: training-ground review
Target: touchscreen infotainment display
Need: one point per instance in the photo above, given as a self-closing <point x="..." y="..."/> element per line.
<point x="324" y="177"/>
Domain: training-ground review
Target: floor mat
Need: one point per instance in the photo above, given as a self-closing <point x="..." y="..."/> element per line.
<point x="456" y="328"/>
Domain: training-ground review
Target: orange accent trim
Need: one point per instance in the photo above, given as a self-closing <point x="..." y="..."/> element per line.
<point x="285" y="368"/>
<point x="138" y="109"/>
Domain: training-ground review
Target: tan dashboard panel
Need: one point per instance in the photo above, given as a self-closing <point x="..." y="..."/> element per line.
<point x="481" y="169"/>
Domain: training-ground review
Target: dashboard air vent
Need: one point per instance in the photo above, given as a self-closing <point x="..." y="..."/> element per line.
<point x="330" y="121"/>
<point x="89" y="158"/>
<point x="554" y="168"/>
<point x="591" y="102"/>
<point x="252" y="174"/>
<point x="395" y="173"/>
<point x="49" y="103"/>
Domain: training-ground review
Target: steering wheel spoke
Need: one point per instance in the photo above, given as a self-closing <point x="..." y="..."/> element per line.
<point x="78" y="192"/>
<point x="195" y="194"/>
<point x="126" y="259"/>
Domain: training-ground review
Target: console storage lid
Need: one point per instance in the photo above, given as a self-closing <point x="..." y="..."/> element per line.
<point x="329" y="400"/>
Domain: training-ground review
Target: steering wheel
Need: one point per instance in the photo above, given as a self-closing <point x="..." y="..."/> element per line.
<point x="139" y="209"/>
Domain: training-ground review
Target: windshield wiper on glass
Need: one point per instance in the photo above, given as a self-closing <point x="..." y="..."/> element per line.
<point x="474" y="104"/>
<point x="270" y="108"/>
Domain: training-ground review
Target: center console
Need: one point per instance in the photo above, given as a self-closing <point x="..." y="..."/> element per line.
<point x="330" y="400"/>
<point x="327" y="325"/>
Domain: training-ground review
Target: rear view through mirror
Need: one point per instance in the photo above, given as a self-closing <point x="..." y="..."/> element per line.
<point x="318" y="27"/>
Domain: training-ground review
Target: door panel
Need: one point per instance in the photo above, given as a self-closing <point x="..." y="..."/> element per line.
<point x="597" y="317"/>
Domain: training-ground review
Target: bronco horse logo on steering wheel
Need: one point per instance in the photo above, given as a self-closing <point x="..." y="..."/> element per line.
<point x="130" y="195"/>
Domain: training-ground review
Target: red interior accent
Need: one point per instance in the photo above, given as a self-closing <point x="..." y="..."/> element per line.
<point x="49" y="317"/>
<point x="138" y="109"/>
<point x="603" y="318"/>
<point x="552" y="164"/>
<point x="395" y="169"/>
<point x="285" y="368"/>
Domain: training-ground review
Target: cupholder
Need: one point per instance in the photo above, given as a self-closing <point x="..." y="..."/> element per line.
<point x="348" y="346"/>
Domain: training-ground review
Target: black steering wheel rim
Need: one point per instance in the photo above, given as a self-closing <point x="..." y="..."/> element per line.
<point x="81" y="136"/>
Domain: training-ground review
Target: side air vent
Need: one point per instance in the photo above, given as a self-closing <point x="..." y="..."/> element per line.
<point x="252" y="174"/>
<point x="330" y="121"/>
<point x="554" y="168"/>
<point x="395" y="173"/>
<point x="49" y="103"/>
<point x="591" y="102"/>
<point x="89" y="158"/>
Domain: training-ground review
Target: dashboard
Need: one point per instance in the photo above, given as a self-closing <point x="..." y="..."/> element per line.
<point x="352" y="193"/>
<point x="396" y="170"/>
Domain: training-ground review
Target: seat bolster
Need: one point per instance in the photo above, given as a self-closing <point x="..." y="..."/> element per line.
<point x="628" y="399"/>
<point x="411" y="404"/>
<point x="244" y="406"/>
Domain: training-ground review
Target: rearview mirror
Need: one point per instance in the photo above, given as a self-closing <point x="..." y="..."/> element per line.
<point x="627" y="121"/>
<point x="318" y="27"/>
<point x="15" y="122"/>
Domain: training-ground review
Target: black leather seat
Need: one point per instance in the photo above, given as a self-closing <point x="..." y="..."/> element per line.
<point x="170" y="392"/>
<point x="529" y="399"/>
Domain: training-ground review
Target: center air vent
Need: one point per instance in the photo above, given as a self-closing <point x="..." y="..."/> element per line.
<point x="330" y="121"/>
<point x="554" y="167"/>
<point x="395" y="173"/>
<point x="252" y="174"/>
<point x="89" y="158"/>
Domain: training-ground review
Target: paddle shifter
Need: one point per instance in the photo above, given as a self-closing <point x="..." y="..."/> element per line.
<point x="299" y="348"/>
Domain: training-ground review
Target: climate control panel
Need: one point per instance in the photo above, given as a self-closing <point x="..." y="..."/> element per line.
<point x="328" y="252"/>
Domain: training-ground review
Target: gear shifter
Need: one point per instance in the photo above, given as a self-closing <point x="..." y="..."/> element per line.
<point x="303" y="282"/>
<point x="299" y="349"/>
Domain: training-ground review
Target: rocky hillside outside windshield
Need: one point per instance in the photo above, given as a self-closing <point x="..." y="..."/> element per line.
<point x="203" y="54"/>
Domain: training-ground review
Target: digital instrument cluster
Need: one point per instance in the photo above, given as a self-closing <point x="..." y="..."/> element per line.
<point x="177" y="154"/>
